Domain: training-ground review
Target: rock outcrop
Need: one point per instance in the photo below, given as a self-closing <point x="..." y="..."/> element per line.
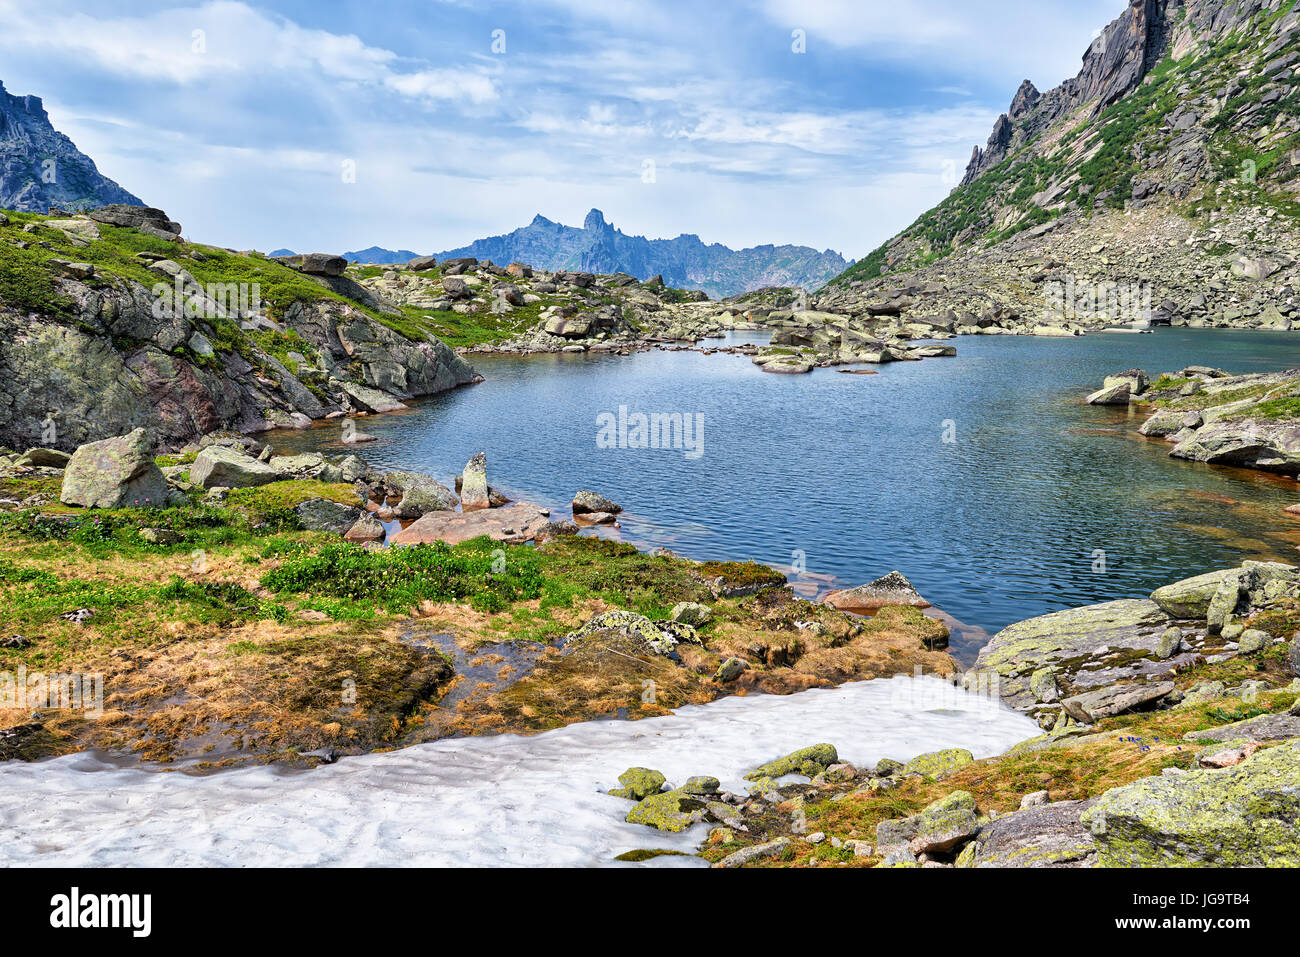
<point x="89" y="356"/>
<point x="1151" y="189"/>
<point x="1241" y="816"/>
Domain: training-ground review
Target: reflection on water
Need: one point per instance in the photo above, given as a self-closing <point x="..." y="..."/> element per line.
<point x="1040" y="501"/>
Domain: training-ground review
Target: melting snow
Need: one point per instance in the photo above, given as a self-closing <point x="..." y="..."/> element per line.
<point x="507" y="800"/>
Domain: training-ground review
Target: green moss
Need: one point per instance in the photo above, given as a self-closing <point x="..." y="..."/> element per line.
<point x="939" y="763"/>
<point x="644" y="854"/>
<point x="809" y="761"/>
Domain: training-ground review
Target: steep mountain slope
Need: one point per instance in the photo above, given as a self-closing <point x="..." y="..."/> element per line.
<point x="1170" y="162"/>
<point x="41" y="168"/>
<point x="685" y="262"/>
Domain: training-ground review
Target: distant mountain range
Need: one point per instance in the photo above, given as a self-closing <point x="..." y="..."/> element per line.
<point x="40" y="168"/>
<point x="685" y="262"/>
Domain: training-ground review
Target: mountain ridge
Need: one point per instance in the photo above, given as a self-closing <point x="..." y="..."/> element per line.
<point x="41" y="168"/>
<point x="684" y="262"/>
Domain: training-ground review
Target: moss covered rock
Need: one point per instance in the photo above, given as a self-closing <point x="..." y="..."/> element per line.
<point x="945" y="824"/>
<point x="668" y="811"/>
<point x="938" y="763"/>
<point x="1190" y="598"/>
<point x="1048" y="835"/>
<point x="809" y="761"/>
<point x="639" y="783"/>
<point x="661" y="636"/>
<point x="1086" y="648"/>
<point x="1243" y="816"/>
<point x="114" y="473"/>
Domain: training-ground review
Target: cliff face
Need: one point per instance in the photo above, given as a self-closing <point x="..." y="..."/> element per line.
<point x="1113" y="66"/>
<point x="685" y="262"/>
<point x="40" y="168"/>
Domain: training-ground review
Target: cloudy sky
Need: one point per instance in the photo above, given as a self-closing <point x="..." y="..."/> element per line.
<point x="424" y="124"/>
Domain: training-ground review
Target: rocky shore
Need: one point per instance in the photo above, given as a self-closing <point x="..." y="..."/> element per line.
<point x="111" y="321"/>
<point x="1249" y="421"/>
<point x="246" y="606"/>
<point x="1174" y="741"/>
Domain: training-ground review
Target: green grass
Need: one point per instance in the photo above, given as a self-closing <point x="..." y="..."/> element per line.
<point x="1287" y="408"/>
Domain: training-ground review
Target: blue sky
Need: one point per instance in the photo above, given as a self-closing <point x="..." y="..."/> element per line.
<point x="242" y="119"/>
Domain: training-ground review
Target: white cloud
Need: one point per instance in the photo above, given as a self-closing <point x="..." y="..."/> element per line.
<point x="1043" y="40"/>
<point x="224" y="40"/>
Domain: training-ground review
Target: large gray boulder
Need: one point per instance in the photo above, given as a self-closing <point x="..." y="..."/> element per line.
<point x="1242" y="816"/>
<point x="1272" y="445"/>
<point x="324" y="515"/>
<point x="221" y="467"/>
<point x="1087" y="648"/>
<point x="1190" y="598"/>
<point x="144" y="218"/>
<point x="419" y="494"/>
<point x="114" y="473"/>
<point x="1092" y="706"/>
<point x="586" y="503"/>
<point x="1050" y="835"/>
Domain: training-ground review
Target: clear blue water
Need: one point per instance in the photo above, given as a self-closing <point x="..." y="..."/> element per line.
<point x="852" y="471"/>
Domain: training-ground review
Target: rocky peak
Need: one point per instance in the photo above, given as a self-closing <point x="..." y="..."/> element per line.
<point x="1026" y="99"/>
<point x="40" y="168"/>
<point x="595" y="221"/>
<point x="1113" y="66"/>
